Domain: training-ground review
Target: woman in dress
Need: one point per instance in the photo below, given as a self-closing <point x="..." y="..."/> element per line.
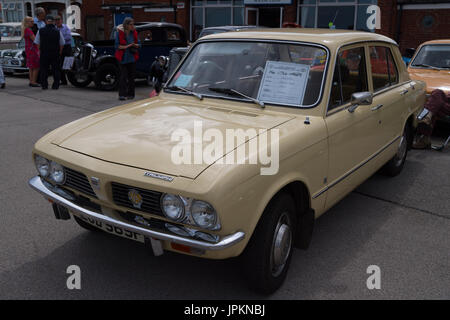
<point x="31" y="50"/>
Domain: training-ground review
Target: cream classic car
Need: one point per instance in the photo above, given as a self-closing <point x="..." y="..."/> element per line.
<point x="336" y="106"/>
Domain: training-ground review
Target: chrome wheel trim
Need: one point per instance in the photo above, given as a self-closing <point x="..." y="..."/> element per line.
<point x="281" y="245"/>
<point x="401" y="152"/>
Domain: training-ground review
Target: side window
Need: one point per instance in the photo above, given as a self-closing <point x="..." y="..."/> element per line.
<point x="350" y="76"/>
<point x="173" y="35"/>
<point x="145" y="36"/>
<point x="384" y="71"/>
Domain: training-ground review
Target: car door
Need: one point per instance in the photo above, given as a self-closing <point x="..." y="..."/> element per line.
<point x="389" y="94"/>
<point x="353" y="137"/>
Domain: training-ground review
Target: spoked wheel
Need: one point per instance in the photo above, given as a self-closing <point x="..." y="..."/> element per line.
<point x="107" y="77"/>
<point x="79" y="80"/>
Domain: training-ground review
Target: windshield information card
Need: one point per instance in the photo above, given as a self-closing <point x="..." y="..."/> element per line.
<point x="283" y="83"/>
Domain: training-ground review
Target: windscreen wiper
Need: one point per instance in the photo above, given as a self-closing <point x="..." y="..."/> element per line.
<point x="426" y="66"/>
<point x="233" y="92"/>
<point x="192" y="93"/>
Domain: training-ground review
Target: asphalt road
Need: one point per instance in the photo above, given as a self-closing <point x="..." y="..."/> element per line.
<point x="400" y="224"/>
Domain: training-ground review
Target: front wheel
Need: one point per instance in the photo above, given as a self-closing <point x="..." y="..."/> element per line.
<point x="107" y="77"/>
<point x="395" y="165"/>
<point x="268" y="254"/>
<point x="79" y="80"/>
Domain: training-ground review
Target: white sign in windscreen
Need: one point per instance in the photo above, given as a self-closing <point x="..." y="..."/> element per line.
<point x="283" y="83"/>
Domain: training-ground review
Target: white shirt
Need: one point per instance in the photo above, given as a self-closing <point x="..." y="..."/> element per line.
<point x="37" y="40"/>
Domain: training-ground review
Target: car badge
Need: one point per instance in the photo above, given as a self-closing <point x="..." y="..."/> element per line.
<point x="135" y="197"/>
<point x="158" y="176"/>
<point x="95" y="182"/>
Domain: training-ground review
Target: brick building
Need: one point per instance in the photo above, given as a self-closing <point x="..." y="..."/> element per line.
<point x="409" y="22"/>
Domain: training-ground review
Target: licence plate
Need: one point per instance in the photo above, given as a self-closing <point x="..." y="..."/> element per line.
<point x="118" y="231"/>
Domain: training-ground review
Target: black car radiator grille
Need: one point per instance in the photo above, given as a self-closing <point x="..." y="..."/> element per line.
<point x="150" y="199"/>
<point x="78" y="181"/>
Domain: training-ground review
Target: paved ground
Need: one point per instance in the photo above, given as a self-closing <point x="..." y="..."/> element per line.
<point x="400" y="224"/>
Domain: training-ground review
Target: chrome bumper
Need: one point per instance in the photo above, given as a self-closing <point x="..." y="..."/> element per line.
<point x="227" y="241"/>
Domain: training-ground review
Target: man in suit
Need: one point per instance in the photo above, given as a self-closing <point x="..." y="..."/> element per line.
<point x="50" y="42"/>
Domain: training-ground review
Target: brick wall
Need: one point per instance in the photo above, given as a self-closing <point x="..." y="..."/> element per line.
<point x="416" y="27"/>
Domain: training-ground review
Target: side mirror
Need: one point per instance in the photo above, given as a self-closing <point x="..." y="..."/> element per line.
<point x="360" y="98"/>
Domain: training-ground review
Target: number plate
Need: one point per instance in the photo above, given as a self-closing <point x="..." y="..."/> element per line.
<point x="118" y="231"/>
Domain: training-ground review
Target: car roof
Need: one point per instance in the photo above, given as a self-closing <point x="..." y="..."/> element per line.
<point x="229" y="27"/>
<point x="327" y="37"/>
<point x="158" y="25"/>
<point x="10" y="24"/>
<point x="440" y="41"/>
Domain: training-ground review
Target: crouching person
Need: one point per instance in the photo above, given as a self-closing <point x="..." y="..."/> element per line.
<point x="438" y="106"/>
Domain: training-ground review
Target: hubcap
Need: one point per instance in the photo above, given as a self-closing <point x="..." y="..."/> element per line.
<point x="281" y="246"/>
<point x="401" y="151"/>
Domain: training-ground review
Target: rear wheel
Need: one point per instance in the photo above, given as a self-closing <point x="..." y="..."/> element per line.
<point x="268" y="254"/>
<point x="395" y="165"/>
<point x="107" y="77"/>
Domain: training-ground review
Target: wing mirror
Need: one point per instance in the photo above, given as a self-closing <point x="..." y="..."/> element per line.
<point x="360" y="98"/>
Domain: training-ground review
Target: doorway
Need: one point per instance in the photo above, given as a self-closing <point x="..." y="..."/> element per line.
<point x="271" y="17"/>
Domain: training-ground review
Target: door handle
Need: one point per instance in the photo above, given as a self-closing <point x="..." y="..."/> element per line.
<point x="404" y="92"/>
<point x="378" y="106"/>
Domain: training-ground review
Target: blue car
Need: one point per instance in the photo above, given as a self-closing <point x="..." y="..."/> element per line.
<point x="96" y="61"/>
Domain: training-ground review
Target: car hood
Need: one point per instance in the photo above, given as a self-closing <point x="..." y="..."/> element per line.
<point x="10" y="52"/>
<point x="141" y="135"/>
<point x="435" y="79"/>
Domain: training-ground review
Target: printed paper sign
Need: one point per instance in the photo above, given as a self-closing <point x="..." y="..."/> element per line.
<point x="183" y="80"/>
<point x="68" y="62"/>
<point x="284" y="83"/>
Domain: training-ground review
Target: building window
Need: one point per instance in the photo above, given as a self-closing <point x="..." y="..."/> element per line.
<point x="334" y="14"/>
<point x="213" y="13"/>
<point x="13" y="12"/>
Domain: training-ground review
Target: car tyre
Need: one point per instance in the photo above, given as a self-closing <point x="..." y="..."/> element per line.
<point x="78" y="82"/>
<point x="107" y="77"/>
<point x="85" y="225"/>
<point x="268" y="254"/>
<point x="395" y="165"/>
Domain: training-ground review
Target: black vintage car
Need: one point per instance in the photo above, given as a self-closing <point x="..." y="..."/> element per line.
<point x="96" y="61"/>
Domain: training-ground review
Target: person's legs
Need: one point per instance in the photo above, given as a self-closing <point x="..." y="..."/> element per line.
<point x="44" y="63"/>
<point x="56" y="66"/>
<point x="67" y="52"/>
<point x="35" y="75"/>
<point x="131" y="75"/>
<point x="2" y="78"/>
<point x="123" y="81"/>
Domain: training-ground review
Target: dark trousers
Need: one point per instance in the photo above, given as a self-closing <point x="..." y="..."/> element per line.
<point x="67" y="52"/>
<point x="53" y="62"/>
<point x="126" y="81"/>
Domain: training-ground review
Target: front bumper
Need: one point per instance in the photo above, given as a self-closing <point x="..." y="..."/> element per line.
<point x="225" y="242"/>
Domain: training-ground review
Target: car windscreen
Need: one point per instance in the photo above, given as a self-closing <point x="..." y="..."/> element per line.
<point x="285" y="74"/>
<point x="437" y="56"/>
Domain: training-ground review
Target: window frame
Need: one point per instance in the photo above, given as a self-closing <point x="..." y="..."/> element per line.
<point x="349" y="46"/>
<point x="391" y="85"/>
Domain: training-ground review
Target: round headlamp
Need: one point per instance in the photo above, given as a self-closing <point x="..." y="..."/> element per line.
<point x="57" y="173"/>
<point x="203" y="214"/>
<point x="42" y="166"/>
<point x="172" y="207"/>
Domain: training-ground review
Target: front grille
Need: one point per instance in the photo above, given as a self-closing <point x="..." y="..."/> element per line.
<point x="86" y="57"/>
<point x="78" y="181"/>
<point x="150" y="199"/>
